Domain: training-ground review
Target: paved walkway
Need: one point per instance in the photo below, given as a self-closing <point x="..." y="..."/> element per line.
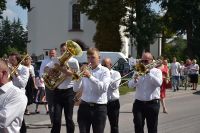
<point x="40" y="122"/>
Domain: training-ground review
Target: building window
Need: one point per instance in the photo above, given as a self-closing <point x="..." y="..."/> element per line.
<point x="76" y="17"/>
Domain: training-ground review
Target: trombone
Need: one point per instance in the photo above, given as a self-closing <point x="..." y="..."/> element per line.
<point x="13" y="71"/>
<point x="140" y="70"/>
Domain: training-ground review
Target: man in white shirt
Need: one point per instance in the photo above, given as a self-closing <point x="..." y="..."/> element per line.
<point x="113" y="105"/>
<point x="64" y="95"/>
<point x="49" y="93"/>
<point x="194" y="74"/>
<point x="94" y="85"/>
<point x="147" y="103"/>
<point x="12" y="103"/>
<point x="20" y="78"/>
<point x="175" y="74"/>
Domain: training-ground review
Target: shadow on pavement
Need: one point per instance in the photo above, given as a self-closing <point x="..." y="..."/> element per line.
<point x="125" y="112"/>
<point x="197" y="93"/>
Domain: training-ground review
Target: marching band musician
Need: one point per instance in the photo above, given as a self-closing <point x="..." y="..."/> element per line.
<point x="20" y="77"/>
<point x="12" y="102"/>
<point x="93" y="107"/>
<point x="113" y="105"/>
<point x="64" y="95"/>
<point x="49" y="93"/>
<point x="147" y="103"/>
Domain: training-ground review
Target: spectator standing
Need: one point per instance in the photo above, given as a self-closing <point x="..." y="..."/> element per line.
<point x="194" y="70"/>
<point x="175" y="74"/>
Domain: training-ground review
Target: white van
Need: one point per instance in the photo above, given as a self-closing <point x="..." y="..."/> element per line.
<point x="114" y="56"/>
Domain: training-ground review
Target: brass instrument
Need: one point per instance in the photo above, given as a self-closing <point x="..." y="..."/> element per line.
<point x="140" y="69"/>
<point x="77" y="77"/>
<point x="52" y="76"/>
<point x="13" y="70"/>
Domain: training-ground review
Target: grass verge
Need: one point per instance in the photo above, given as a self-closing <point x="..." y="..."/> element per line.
<point x="125" y="89"/>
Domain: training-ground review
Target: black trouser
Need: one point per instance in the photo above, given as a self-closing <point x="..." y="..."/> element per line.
<point x="50" y="100"/>
<point x="63" y="99"/>
<point x="92" y="114"/>
<point x="23" y="127"/>
<point x="113" y="115"/>
<point x="146" y="110"/>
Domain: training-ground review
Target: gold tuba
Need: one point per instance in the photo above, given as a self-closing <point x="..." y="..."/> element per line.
<point x="53" y="77"/>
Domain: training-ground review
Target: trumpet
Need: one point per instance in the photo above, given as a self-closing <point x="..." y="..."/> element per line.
<point x="140" y="69"/>
<point x="78" y="76"/>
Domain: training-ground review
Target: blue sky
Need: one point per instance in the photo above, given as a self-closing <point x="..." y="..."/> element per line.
<point x="14" y="11"/>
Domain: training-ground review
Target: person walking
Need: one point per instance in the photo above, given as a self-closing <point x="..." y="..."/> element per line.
<point x="147" y="97"/>
<point x="113" y="105"/>
<point x="49" y="93"/>
<point x="94" y="84"/>
<point x="175" y="74"/>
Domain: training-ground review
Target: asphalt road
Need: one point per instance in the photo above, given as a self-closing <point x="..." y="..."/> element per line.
<point x="183" y="115"/>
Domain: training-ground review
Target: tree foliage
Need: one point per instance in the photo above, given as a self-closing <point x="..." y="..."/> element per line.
<point x="183" y="17"/>
<point x="175" y="48"/>
<point x="13" y="37"/>
<point x="107" y="14"/>
<point x="25" y="4"/>
<point x="2" y="7"/>
<point x="142" y="23"/>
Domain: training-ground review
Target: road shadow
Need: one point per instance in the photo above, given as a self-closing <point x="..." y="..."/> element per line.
<point x="197" y="93"/>
<point x="125" y="112"/>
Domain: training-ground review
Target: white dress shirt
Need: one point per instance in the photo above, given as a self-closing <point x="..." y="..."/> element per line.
<point x="94" y="89"/>
<point x="21" y="80"/>
<point x="113" y="89"/>
<point x="43" y="65"/>
<point x="73" y="64"/>
<point x="148" y="85"/>
<point x="12" y="106"/>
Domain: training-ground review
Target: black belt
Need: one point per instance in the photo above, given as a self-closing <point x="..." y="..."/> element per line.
<point x="64" y="89"/>
<point x="148" y="102"/>
<point x="91" y="104"/>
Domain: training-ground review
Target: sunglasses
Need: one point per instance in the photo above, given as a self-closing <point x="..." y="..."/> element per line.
<point x="145" y="61"/>
<point x="91" y="57"/>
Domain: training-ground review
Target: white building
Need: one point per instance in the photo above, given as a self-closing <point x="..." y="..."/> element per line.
<point x="52" y="22"/>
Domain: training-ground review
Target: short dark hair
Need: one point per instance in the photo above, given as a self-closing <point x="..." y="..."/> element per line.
<point x="91" y="51"/>
<point x="17" y="55"/>
<point x="62" y="45"/>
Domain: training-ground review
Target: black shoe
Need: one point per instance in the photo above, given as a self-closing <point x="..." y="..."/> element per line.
<point x="37" y="112"/>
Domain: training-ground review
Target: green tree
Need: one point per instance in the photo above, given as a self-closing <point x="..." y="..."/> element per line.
<point x="19" y="35"/>
<point x="143" y="24"/>
<point x="107" y="14"/>
<point x="13" y="37"/>
<point x="176" y="48"/>
<point x="5" y="35"/>
<point x="183" y="17"/>
<point x="25" y="4"/>
<point x="2" y="7"/>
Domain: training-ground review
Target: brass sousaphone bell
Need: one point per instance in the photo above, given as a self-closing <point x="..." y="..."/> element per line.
<point x="52" y="76"/>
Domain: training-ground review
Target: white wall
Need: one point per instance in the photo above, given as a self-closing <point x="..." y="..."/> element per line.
<point x="49" y="23"/>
